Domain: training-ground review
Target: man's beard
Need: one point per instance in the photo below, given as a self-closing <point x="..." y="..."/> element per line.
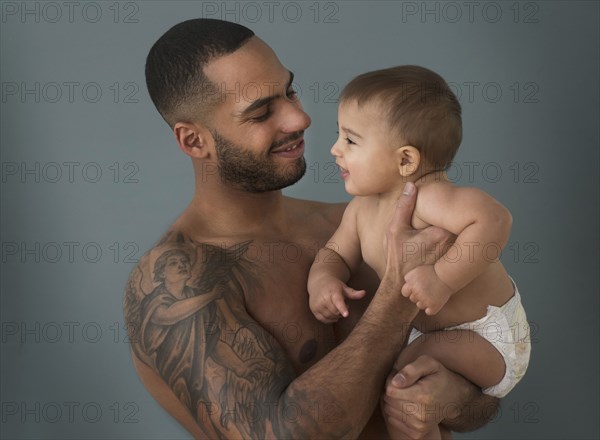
<point x="254" y="173"/>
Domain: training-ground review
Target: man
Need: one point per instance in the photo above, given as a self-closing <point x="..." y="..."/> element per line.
<point x="248" y="359"/>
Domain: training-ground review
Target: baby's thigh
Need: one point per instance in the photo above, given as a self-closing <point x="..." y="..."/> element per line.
<point x="461" y="351"/>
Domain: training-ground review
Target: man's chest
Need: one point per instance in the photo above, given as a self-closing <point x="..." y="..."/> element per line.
<point x="279" y="300"/>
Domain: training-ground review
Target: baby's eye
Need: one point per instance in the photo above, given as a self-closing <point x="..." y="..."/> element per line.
<point x="350" y="141"/>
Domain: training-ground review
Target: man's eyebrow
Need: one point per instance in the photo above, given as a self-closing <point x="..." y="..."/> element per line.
<point x="267" y="99"/>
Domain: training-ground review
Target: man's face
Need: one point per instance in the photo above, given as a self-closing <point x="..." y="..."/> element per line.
<point x="239" y="166"/>
<point x="258" y="126"/>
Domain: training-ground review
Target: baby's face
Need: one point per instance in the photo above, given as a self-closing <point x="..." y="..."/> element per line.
<point x="368" y="163"/>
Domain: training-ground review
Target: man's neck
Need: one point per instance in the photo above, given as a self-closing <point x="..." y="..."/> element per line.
<point x="220" y="210"/>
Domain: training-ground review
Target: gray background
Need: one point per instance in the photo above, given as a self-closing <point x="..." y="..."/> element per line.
<point x="91" y="177"/>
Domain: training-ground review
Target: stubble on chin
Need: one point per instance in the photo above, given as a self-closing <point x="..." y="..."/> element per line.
<point x="251" y="172"/>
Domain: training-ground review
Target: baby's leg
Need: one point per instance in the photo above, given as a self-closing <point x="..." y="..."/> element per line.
<point x="461" y="351"/>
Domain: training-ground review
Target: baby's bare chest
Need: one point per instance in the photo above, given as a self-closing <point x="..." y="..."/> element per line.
<point x="371" y="229"/>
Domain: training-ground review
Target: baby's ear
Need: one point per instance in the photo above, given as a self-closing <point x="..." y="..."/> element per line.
<point x="408" y="159"/>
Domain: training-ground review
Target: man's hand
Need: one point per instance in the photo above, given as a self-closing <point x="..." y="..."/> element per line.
<point x="422" y="395"/>
<point x="408" y="248"/>
<point x="424" y="288"/>
<point x="326" y="299"/>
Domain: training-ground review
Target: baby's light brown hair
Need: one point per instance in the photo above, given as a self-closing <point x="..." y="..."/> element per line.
<point x="419" y="107"/>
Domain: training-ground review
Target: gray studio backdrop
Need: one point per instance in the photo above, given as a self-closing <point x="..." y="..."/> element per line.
<point x="91" y="176"/>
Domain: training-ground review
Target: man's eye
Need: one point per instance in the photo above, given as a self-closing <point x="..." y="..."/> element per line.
<point x="291" y="93"/>
<point x="262" y="117"/>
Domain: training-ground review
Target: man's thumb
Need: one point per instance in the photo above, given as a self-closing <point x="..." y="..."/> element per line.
<point x="406" y="205"/>
<point x="411" y="373"/>
<point x="401" y="381"/>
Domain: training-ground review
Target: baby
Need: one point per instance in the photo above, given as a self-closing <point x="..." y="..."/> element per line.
<point x="399" y="125"/>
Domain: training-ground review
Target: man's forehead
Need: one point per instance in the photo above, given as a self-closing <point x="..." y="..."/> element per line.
<point x="248" y="59"/>
<point x="250" y="73"/>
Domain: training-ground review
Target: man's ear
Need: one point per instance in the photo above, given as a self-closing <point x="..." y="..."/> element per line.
<point x="408" y="160"/>
<point x="193" y="139"/>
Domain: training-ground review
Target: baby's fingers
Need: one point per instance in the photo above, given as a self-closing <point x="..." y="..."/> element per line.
<point x="432" y="309"/>
<point x="351" y="293"/>
<point x="421" y="302"/>
<point x="323" y="309"/>
<point x="324" y="319"/>
<point x="328" y="314"/>
<point x="328" y="309"/>
<point x="406" y="290"/>
<point x="340" y="305"/>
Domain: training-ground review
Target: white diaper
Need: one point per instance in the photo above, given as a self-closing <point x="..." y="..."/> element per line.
<point x="507" y="329"/>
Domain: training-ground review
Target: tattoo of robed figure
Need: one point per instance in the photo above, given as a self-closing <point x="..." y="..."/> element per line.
<point x="188" y="323"/>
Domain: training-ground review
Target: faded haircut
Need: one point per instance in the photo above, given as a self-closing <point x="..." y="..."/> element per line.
<point x="418" y="106"/>
<point x="175" y="66"/>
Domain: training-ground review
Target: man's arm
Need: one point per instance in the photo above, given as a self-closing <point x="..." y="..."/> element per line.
<point x="424" y="394"/>
<point x="269" y="400"/>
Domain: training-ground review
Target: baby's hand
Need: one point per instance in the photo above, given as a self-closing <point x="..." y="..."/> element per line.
<point x="326" y="300"/>
<point x="424" y="288"/>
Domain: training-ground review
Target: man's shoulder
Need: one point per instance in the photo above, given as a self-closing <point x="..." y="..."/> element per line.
<point x="329" y="212"/>
<point x="172" y="239"/>
<point x="173" y="243"/>
<point x="176" y="241"/>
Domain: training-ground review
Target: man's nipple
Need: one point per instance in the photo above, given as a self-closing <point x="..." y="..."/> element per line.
<point x="308" y="351"/>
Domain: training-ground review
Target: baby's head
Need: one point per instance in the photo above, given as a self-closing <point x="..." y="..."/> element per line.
<point x="411" y="110"/>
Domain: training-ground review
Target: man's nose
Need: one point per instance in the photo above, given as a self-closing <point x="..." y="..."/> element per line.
<point x="295" y="118"/>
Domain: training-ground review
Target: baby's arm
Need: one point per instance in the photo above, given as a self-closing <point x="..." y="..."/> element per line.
<point x="332" y="268"/>
<point x="482" y="225"/>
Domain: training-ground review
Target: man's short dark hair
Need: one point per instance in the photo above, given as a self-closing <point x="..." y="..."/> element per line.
<point x="174" y="67"/>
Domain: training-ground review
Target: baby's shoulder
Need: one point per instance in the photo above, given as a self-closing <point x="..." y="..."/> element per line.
<point x="444" y="191"/>
<point x="434" y="187"/>
<point x="362" y="206"/>
<point x="435" y="178"/>
<point x="433" y="196"/>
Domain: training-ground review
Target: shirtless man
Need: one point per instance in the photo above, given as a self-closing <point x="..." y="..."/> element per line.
<point x="223" y="337"/>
